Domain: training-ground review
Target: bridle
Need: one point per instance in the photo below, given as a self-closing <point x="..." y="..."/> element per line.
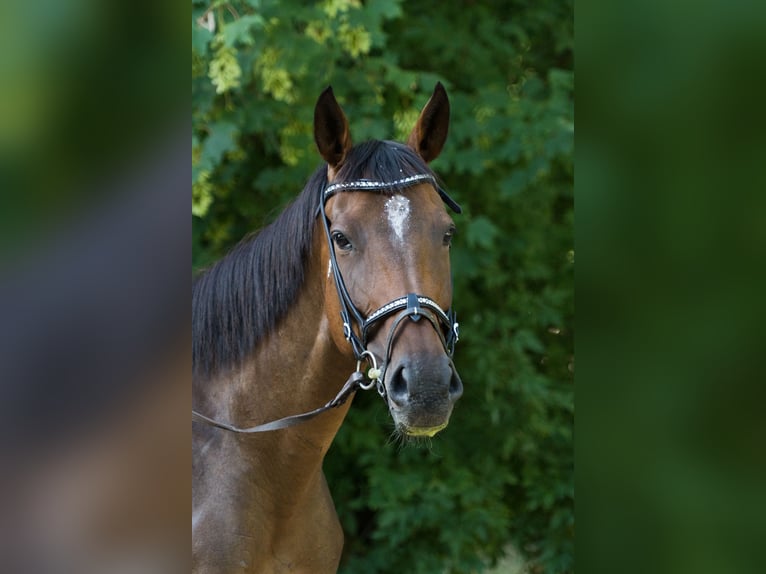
<point x="411" y="305"/>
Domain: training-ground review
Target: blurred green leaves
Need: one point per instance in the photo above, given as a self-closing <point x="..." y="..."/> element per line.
<point x="502" y="472"/>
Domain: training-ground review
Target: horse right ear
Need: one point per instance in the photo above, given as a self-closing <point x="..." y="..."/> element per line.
<point x="430" y="131"/>
<point x="331" y="131"/>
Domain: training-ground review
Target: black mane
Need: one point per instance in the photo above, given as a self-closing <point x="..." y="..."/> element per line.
<point x="242" y="297"/>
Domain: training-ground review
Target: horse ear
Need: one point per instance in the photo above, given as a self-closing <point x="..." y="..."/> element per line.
<point x="430" y="131"/>
<point x="331" y="131"/>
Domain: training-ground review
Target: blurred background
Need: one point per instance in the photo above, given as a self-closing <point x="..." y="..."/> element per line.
<point x="94" y="255"/>
<point x="671" y="233"/>
<point x="499" y="480"/>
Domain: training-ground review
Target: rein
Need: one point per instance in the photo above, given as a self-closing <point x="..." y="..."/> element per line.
<point x="353" y="382"/>
<point x="411" y="305"/>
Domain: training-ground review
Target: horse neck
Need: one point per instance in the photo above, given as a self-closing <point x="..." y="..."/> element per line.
<point x="251" y="491"/>
<point x="295" y="368"/>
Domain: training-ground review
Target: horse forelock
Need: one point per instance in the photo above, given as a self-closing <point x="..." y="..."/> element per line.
<point x="382" y="161"/>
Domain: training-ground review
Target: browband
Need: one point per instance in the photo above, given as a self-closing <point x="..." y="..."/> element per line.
<point x="369" y="185"/>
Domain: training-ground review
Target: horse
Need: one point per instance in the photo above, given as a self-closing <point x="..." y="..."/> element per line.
<point x="354" y="273"/>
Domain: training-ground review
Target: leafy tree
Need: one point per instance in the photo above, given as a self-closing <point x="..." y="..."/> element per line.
<point x="502" y="472"/>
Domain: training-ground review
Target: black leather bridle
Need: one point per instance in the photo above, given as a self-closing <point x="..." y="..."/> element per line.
<point x="411" y="305"/>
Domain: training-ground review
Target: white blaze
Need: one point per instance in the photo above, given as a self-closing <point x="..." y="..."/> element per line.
<point x="398" y="213"/>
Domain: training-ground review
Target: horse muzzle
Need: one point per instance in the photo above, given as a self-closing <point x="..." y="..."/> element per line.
<point x="421" y="391"/>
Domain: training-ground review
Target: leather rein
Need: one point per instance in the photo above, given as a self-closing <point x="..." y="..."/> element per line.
<point x="411" y="305"/>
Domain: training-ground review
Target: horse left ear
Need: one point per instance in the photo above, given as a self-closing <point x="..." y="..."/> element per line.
<point x="430" y="131"/>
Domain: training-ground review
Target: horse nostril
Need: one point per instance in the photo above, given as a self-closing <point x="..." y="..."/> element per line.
<point x="397" y="387"/>
<point x="455" y="386"/>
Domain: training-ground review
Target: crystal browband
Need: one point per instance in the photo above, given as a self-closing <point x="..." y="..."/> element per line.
<point x="373" y="185"/>
<point x="366" y="184"/>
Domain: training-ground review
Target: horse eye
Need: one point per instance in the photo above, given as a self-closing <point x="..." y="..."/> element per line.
<point x="341" y="241"/>
<point x="448" y="236"/>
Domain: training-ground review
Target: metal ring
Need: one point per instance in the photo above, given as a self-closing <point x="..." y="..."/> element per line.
<point x="371" y="383"/>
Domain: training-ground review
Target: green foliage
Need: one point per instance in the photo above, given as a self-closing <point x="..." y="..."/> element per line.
<point x="502" y="472"/>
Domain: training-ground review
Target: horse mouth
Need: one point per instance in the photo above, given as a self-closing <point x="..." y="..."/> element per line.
<point x="422" y="431"/>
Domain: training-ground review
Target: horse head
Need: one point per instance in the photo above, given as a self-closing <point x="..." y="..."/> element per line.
<point x="387" y="257"/>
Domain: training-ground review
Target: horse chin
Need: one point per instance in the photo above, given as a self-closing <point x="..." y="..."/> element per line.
<point x="427" y="425"/>
<point x="419" y="432"/>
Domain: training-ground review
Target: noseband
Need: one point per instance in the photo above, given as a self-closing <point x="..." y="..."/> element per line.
<point x="411" y="305"/>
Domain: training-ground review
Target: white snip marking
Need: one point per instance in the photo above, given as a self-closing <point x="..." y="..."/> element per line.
<point x="398" y="213"/>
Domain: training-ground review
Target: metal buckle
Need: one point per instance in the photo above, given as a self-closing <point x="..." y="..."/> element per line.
<point x="413" y="306"/>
